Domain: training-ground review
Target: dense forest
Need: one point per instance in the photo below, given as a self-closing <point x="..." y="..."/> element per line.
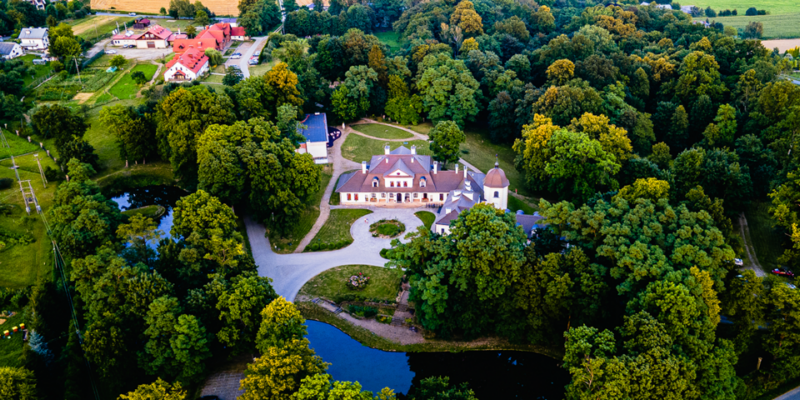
<point x="643" y="133"/>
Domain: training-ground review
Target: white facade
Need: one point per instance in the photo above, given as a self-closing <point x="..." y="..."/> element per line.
<point x="34" y="38"/>
<point x="187" y="73"/>
<point x="151" y="43"/>
<point x="498" y="197"/>
<point x="16" y="51"/>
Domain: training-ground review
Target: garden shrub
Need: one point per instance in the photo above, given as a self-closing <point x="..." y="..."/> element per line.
<point x="362" y="311"/>
<point x="6" y="183"/>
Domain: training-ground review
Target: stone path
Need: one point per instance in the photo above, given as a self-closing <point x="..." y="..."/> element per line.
<point x="393" y="332"/>
<point x="340" y="166"/>
<point x="289" y="272"/>
<point x="225" y="383"/>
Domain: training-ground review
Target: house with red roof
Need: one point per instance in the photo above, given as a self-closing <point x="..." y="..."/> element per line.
<point x="154" y="38"/>
<point x="181" y="45"/>
<point x="221" y="32"/>
<point x="238" y="33"/>
<point x="187" y="66"/>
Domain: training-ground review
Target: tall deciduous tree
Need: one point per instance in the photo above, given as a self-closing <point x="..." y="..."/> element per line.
<point x="446" y="138"/>
<point x="448" y="89"/>
<point x="277" y="374"/>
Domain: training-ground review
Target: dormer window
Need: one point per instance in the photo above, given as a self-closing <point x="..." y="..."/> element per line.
<point x="375" y="182"/>
<point x="422" y="182"/>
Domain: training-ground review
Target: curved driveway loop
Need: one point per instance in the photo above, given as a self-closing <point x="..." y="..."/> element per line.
<point x="289" y="272"/>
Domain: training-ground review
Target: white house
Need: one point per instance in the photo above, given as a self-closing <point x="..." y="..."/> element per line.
<point x="187" y="66"/>
<point x="238" y="33"/>
<point x="316" y="134"/>
<point x="34" y="38"/>
<point x="156" y="37"/>
<point x="9" y="50"/>
<point x="492" y="188"/>
<point x="39" y="4"/>
<point x="125" y="39"/>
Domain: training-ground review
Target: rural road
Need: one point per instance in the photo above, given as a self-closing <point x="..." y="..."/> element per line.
<point x="257" y="45"/>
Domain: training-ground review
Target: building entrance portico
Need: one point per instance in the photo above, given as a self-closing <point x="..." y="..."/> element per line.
<point x="399" y="198"/>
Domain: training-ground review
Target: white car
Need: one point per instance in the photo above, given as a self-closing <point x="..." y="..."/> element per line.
<point x="111" y="52"/>
<point x="133" y="14"/>
<point x="738" y="262"/>
<point x="236" y="55"/>
<point x="253" y="61"/>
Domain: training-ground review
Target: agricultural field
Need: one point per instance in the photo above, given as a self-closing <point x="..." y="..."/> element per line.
<point x="778" y="26"/>
<point x="18" y="145"/>
<point x="774" y="7"/>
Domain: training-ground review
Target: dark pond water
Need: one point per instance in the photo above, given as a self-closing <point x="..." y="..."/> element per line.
<point x="165" y="196"/>
<point x="491" y="374"/>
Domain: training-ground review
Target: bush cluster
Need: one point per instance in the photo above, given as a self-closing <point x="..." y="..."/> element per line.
<point x="6" y="183"/>
<point x="362" y="311"/>
<point x="16" y="238"/>
<point x="329" y="246"/>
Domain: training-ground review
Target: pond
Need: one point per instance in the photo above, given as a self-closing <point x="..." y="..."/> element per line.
<point x="491" y="374"/>
<point x="165" y="196"/>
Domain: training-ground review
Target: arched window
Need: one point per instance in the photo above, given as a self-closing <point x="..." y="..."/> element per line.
<point x="496" y="195"/>
<point x="375" y="182"/>
<point x="405" y="183"/>
<point x="391" y="184"/>
<point x="422" y="182"/>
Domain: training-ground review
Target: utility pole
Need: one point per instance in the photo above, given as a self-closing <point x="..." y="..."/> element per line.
<point x="41" y="171"/>
<point x="79" y="71"/>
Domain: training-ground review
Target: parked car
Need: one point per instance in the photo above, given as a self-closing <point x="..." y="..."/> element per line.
<point x="111" y="52"/>
<point x="129" y="46"/>
<point x="253" y="61"/>
<point x="738" y="262"/>
<point x="783" y="272"/>
<point x="236" y="55"/>
<point x="133" y="14"/>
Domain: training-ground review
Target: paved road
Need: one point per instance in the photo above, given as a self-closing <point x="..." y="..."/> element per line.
<point x="289" y="272"/>
<point x="793" y="394"/>
<point x="257" y="45"/>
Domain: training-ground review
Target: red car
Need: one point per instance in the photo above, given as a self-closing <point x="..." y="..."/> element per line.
<point x="783" y="272"/>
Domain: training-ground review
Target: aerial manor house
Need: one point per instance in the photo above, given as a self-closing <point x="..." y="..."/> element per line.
<point x="403" y="176"/>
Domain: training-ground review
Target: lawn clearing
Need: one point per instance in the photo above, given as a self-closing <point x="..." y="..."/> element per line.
<point x="389" y="38"/>
<point x="359" y="148"/>
<point x="19" y="145"/>
<point x="214" y="79"/>
<point x="480" y="152"/>
<point x="515" y="204"/>
<point x="104" y="142"/>
<point x="427" y="218"/>
<point x="99" y="25"/>
<point x="774" y="7"/>
<point x="126" y="88"/>
<point x="11" y="349"/>
<point x="767" y="240"/>
<point x="336" y="231"/>
<point x="288" y="243"/>
<point x="775" y="26"/>
<point x="262" y="69"/>
<point x="39" y="71"/>
<point x="382" y="131"/>
<point x="384" y="284"/>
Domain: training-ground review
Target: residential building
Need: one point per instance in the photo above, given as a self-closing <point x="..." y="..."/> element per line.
<point x="181" y="45"/>
<point x="141" y="23"/>
<point x="34" y="38"/>
<point x="187" y="66"/>
<point x="154" y="38"/>
<point x="221" y="32"/>
<point x="39" y="4"/>
<point x="238" y="33"/>
<point x="661" y="6"/>
<point x="491" y="188"/>
<point x="125" y="39"/>
<point x="9" y="50"/>
<point x="316" y="134"/>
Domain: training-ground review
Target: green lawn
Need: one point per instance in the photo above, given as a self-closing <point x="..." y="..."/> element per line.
<point x="427" y="218"/>
<point x="126" y="88"/>
<point x="480" y="152"/>
<point x="335" y="198"/>
<point x="150" y="211"/>
<point x="772" y="6"/>
<point x="382" y="131"/>
<point x="515" y="204"/>
<point x="288" y="243"/>
<point x="39" y="70"/>
<point x="384" y="283"/>
<point x="261" y="69"/>
<point x="359" y="148"/>
<point x="214" y="79"/>
<point x="104" y="142"/>
<point x="766" y="240"/>
<point x="776" y="26"/>
<point x="336" y="230"/>
<point x="96" y="26"/>
<point x="19" y="145"/>
<point x="389" y="38"/>
<point x="11" y="349"/>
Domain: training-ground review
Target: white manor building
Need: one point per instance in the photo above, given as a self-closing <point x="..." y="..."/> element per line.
<point x="403" y="176"/>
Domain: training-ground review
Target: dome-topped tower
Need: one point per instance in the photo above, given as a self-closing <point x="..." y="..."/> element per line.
<point x="495" y="187"/>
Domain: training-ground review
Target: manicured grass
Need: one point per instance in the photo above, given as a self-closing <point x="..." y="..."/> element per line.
<point x="11" y="349"/>
<point x="389" y="38"/>
<point x="384" y="283"/>
<point x="126" y="88"/>
<point x="261" y="69"/>
<point x="104" y="98"/>
<point x="382" y="131"/>
<point x="39" y="70"/>
<point x="388" y="228"/>
<point x="337" y="228"/>
<point x="335" y="197"/>
<point x="19" y="145"/>
<point x="359" y="148"/>
<point x="515" y="204"/>
<point x="96" y="26"/>
<point x="772" y="6"/>
<point x="214" y="79"/>
<point x="104" y="142"/>
<point x="288" y="243"/>
<point x="776" y="26"/>
<point x="480" y="152"/>
<point x="767" y="240"/>
<point x="427" y="218"/>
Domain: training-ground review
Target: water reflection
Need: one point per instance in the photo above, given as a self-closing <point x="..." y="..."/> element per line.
<point x="164" y="196"/>
<point x="491" y="374"/>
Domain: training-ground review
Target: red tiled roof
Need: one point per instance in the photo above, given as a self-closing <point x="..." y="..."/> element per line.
<point x="181" y="45"/>
<point x="217" y="35"/>
<point x="238" y="31"/>
<point x="192" y="59"/>
<point x="158" y="31"/>
<point x="177" y="36"/>
<point x="122" y="36"/>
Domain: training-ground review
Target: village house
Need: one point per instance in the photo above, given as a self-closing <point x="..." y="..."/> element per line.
<point x="39" y="4"/>
<point x="9" y="50"/>
<point x="154" y="38"/>
<point x="34" y="38"/>
<point x="238" y="33"/>
<point x="141" y="23"/>
<point x="221" y="32"/>
<point x="181" y="45"/>
<point x="316" y="134"/>
<point x="187" y="66"/>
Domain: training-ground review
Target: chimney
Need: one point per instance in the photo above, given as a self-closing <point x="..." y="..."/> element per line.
<point x="435" y="167"/>
<point x="386" y="151"/>
<point x="456" y="167"/>
<point x="465" y="171"/>
<point x="413" y="149"/>
<point x="363" y="167"/>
